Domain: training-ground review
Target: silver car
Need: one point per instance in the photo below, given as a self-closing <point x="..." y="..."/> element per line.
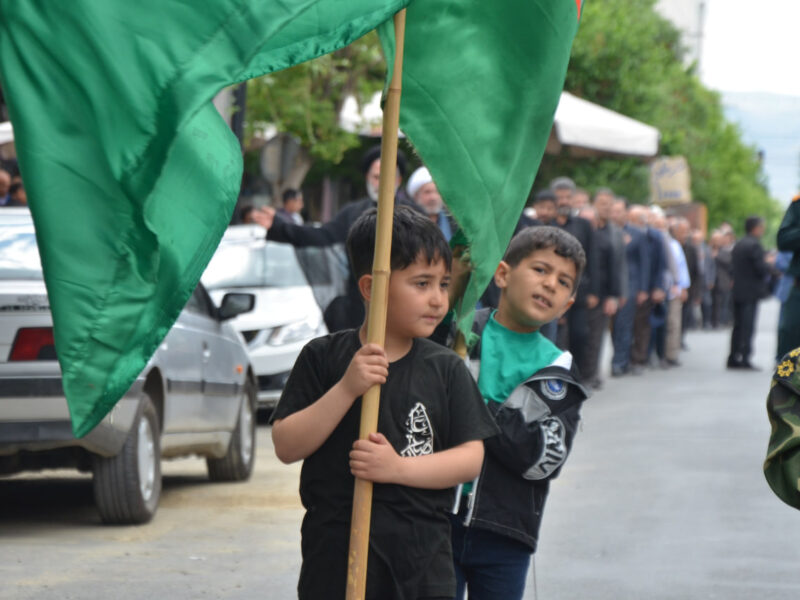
<point x="197" y="395"/>
<point x="286" y="315"/>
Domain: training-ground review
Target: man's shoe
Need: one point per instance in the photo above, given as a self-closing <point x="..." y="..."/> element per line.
<point x="637" y="369"/>
<point x="749" y="367"/>
<point x="735" y="364"/>
<point x="618" y="371"/>
<point x="673" y="363"/>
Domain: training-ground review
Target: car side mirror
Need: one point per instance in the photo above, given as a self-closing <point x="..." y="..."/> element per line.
<point x="235" y="303"/>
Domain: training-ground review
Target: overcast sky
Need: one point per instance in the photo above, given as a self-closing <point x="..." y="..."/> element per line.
<point x="752" y="46"/>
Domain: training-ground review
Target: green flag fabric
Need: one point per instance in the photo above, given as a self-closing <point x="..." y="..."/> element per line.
<point x="481" y="83"/>
<point x="782" y="466"/>
<point x="131" y="173"/>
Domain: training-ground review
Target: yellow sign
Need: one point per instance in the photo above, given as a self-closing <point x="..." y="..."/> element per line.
<point x="670" y="181"/>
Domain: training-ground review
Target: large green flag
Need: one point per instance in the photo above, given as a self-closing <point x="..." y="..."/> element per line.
<point x="132" y="175"/>
<point x="481" y="83"/>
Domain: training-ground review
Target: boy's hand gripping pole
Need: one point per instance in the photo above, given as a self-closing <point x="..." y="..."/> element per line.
<point x="376" y="323"/>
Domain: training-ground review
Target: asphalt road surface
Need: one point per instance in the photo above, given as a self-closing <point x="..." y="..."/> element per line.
<point x="662" y="498"/>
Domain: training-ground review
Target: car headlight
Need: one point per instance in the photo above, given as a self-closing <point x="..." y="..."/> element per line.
<point x="294" y="332"/>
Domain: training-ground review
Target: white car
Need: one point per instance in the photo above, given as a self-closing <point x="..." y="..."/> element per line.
<point x="196" y="395"/>
<point x="286" y="313"/>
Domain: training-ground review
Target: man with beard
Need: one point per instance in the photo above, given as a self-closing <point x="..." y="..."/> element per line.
<point x="424" y="193"/>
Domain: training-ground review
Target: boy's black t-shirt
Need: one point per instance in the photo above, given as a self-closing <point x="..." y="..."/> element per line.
<point x="429" y="403"/>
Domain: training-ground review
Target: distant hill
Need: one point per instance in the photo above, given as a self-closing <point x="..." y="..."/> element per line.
<point x="771" y="122"/>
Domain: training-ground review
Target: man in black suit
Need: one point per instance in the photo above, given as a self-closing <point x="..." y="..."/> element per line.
<point x="750" y="272"/>
<point x="609" y="280"/>
<point x="574" y="326"/>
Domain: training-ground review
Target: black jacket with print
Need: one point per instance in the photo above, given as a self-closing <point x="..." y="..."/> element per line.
<point x="537" y="425"/>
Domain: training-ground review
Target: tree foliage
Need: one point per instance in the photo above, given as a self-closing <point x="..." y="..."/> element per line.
<point x="306" y="99"/>
<point x="625" y="57"/>
<point x="628" y="58"/>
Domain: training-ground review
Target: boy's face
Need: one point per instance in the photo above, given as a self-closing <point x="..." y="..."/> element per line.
<point x="536" y="291"/>
<point x="417" y="298"/>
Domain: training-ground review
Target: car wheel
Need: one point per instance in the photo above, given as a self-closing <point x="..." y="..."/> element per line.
<point x="127" y="486"/>
<point x="237" y="464"/>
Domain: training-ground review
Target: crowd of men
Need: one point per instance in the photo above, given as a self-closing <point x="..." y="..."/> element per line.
<point x="650" y="278"/>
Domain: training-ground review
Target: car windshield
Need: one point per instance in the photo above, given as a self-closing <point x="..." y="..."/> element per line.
<point x="237" y="265"/>
<point x="19" y="255"/>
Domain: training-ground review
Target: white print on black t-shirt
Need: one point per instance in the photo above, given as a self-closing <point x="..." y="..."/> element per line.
<point x="555" y="449"/>
<point x="419" y="433"/>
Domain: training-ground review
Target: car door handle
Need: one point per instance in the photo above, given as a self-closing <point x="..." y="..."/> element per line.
<point x="206" y="352"/>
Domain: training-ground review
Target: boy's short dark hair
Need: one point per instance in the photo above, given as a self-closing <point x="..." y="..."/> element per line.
<point x="412" y="234"/>
<point x="544" y="237"/>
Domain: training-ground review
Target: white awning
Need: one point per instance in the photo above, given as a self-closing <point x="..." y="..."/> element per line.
<point x="587" y="129"/>
<point x="6" y="132"/>
<point x="581" y="128"/>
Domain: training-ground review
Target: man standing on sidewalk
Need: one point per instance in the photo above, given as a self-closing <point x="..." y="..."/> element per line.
<point x="750" y="271"/>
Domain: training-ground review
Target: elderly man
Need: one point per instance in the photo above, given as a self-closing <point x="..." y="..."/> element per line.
<point x="679" y="292"/>
<point x="656" y="286"/>
<point x="424" y="193"/>
<point x="637" y="259"/>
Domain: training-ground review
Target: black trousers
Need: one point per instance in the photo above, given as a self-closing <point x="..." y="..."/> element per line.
<point x="720" y="307"/>
<point x="641" y="333"/>
<point x="573" y="334"/>
<point x="597" y="322"/>
<point x="744" y="321"/>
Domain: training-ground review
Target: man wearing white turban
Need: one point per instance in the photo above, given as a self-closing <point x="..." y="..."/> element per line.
<point x="422" y="190"/>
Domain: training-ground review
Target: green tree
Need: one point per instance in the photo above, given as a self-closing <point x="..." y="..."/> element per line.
<point x="628" y="58"/>
<point x="305" y="100"/>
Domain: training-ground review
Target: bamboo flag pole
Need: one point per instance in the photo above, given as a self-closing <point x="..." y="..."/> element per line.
<point x="376" y="322"/>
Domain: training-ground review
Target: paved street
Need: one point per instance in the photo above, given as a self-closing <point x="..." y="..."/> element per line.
<point x="663" y="498"/>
